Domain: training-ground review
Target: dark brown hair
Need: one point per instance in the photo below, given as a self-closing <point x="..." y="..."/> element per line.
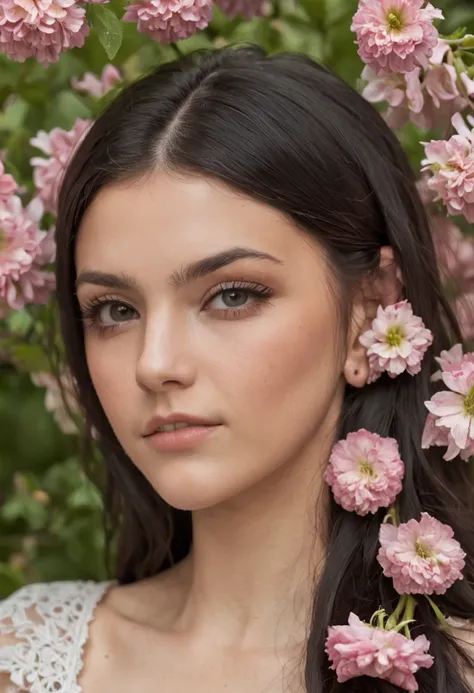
<point x="284" y="130"/>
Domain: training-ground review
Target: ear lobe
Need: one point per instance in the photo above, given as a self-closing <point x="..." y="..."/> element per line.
<point x="386" y="289"/>
<point x="356" y="367"/>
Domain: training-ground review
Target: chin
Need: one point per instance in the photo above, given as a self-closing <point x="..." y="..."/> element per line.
<point x="191" y="486"/>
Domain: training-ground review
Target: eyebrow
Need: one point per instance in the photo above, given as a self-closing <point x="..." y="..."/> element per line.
<point x="186" y="275"/>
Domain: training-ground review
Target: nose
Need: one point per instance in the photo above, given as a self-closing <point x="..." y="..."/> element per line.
<point x="165" y="359"/>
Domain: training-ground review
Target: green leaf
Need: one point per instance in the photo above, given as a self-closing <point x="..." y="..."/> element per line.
<point x="316" y="11"/>
<point x="19" y="322"/>
<point x="11" y="579"/>
<point x="29" y="357"/>
<point x="108" y="28"/>
<point x="458" y="34"/>
<point x="14" y="115"/>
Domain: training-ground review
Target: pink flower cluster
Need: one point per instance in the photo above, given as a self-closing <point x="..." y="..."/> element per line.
<point x="451" y="163"/>
<point x="24" y="250"/>
<point x="167" y="21"/>
<point x="59" y="145"/>
<point x="42" y="29"/>
<point x="358" y="649"/>
<point x="455" y="255"/>
<point x="450" y="422"/>
<point x="396" y="342"/>
<point x="420" y="557"/>
<point x="98" y="86"/>
<point x="426" y="97"/>
<point x="365" y="472"/>
<point x="395" y="35"/>
<point x="8" y="186"/>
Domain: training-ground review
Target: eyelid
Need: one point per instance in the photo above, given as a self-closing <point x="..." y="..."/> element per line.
<point x="242" y="284"/>
<point x="261" y="293"/>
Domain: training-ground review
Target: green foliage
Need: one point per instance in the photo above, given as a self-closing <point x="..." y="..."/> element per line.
<point x="50" y="512"/>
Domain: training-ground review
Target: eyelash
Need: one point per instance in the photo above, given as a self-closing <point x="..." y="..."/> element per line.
<point x="90" y="311"/>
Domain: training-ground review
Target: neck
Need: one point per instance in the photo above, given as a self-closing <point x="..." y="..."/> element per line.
<point x="249" y="579"/>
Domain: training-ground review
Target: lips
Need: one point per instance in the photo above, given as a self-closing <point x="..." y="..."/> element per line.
<point x="154" y="424"/>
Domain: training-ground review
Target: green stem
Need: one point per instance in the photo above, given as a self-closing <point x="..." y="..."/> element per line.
<point x="437" y="612"/>
<point x="392" y="516"/>
<point x="393" y="618"/>
<point x="177" y="49"/>
<point x="379" y="614"/>
<point x="409" y="612"/>
<point x="409" y="608"/>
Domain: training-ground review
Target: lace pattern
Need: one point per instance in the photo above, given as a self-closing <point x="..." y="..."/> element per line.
<point x="50" y="623"/>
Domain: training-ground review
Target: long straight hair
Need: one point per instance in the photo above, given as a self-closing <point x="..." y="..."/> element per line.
<point x="284" y="130"/>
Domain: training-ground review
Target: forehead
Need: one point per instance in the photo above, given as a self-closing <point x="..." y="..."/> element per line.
<point x="166" y="219"/>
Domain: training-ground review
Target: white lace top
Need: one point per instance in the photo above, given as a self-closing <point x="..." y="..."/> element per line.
<point x="49" y="625"/>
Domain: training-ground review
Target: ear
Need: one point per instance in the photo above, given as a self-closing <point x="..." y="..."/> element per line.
<point x="385" y="289"/>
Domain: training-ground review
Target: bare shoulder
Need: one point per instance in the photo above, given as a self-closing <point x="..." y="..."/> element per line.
<point x="6" y="686"/>
<point x="5" y="683"/>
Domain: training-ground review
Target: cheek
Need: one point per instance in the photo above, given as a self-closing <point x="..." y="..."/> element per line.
<point x="286" y="370"/>
<point x="108" y="364"/>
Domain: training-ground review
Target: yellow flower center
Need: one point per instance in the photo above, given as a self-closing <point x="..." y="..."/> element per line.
<point x="366" y="468"/>
<point x="469" y="402"/>
<point x="394" y="336"/>
<point x="422" y="551"/>
<point x="394" y="22"/>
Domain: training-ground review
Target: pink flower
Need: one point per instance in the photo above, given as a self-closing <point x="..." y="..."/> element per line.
<point x="454" y="409"/>
<point x="59" y="145"/>
<point x="452" y="360"/>
<point x="468" y="84"/>
<point x="420" y="557"/>
<point x="395" y="35"/>
<point x="452" y="164"/>
<point x="435" y="435"/>
<point x="365" y="472"/>
<point x="245" y="8"/>
<point x="42" y="29"/>
<point x="455" y="254"/>
<point x="464" y="309"/>
<point x="91" y="84"/>
<point x="54" y="402"/>
<point x="435" y="432"/>
<point x="397" y="341"/>
<point x="8" y="186"/>
<point x="402" y="92"/>
<point x="426" y="98"/>
<point x="427" y="195"/>
<point x="24" y="251"/>
<point x="170" y="20"/>
<point x="358" y="649"/>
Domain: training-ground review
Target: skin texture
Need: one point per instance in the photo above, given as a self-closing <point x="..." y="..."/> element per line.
<point x="272" y="374"/>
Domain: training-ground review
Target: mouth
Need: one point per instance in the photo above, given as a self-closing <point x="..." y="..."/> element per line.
<point x="175" y="437"/>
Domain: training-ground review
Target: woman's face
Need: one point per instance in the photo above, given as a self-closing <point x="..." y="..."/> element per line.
<point x="249" y="341"/>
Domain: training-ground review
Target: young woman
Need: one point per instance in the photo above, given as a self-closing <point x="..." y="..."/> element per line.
<point x="227" y="231"/>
